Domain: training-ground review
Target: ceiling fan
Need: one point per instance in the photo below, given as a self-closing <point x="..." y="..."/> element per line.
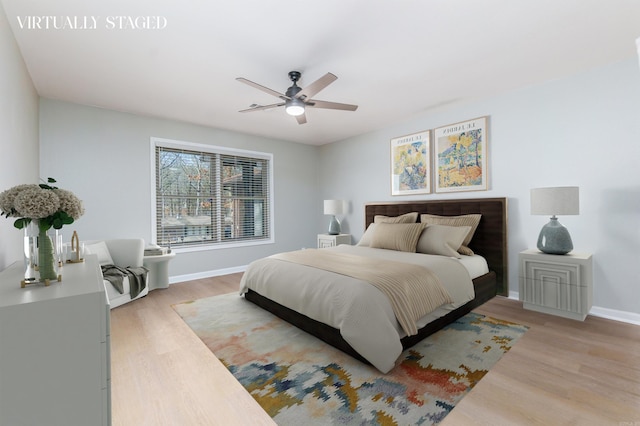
<point x="296" y="99"/>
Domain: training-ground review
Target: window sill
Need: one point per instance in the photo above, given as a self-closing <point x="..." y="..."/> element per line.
<point x="219" y="246"/>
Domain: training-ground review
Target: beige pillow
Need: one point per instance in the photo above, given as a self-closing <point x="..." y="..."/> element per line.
<point x="365" y="241"/>
<point x="442" y="240"/>
<point x="405" y="218"/>
<point x="396" y="236"/>
<point x="471" y="220"/>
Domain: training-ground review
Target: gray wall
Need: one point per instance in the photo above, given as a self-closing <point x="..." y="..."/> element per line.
<point x="582" y="131"/>
<point x="104" y="157"/>
<point x="19" y="161"/>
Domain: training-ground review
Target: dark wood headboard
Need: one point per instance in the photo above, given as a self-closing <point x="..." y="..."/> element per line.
<point x="489" y="240"/>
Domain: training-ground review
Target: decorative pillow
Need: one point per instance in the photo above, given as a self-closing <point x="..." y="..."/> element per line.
<point x="471" y="220"/>
<point x="442" y="240"/>
<point x="104" y="257"/>
<point x="396" y="236"/>
<point x="405" y="218"/>
<point x="365" y="241"/>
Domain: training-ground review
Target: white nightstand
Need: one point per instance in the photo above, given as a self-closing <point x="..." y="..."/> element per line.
<point x="326" y="240"/>
<point x="556" y="284"/>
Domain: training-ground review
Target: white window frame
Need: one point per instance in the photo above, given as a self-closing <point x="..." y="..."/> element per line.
<point x="192" y="146"/>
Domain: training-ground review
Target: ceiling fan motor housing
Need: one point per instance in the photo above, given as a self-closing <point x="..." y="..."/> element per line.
<point x="293" y="90"/>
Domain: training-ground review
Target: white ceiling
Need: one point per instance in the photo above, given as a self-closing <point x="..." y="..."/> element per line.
<point x="393" y="58"/>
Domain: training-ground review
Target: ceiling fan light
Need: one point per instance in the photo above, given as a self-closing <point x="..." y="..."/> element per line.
<point x="295" y="107"/>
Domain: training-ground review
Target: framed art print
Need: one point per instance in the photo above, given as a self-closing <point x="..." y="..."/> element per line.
<point x="461" y="160"/>
<point x="411" y="163"/>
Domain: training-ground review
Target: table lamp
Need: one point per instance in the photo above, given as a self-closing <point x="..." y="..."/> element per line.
<point x="333" y="207"/>
<point x="554" y="238"/>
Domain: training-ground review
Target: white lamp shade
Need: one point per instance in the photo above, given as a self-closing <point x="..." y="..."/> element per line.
<point x="563" y="200"/>
<point x="333" y="207"/>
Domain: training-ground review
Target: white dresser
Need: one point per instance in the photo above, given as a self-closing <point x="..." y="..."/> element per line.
<point x="55" y="349"/>
<point x="556" y="284"/>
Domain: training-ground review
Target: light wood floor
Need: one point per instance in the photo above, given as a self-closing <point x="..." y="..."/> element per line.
<point x="561" y="372"/>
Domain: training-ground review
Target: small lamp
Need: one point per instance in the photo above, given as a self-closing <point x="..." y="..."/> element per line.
<point x="333" y="207"/>
<point x="554" y="238"/>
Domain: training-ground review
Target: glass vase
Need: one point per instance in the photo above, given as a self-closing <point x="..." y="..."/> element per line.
<point x="30" y="253"/>
<point x="58" y="247"/>
<point x="43" y="254"/>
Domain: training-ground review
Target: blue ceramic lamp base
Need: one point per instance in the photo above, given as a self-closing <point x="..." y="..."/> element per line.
<point x="554" y="238"/>
<point x="334" y="226"/>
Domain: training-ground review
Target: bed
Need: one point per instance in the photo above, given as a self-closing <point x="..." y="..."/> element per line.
<point x="379" y="345"/>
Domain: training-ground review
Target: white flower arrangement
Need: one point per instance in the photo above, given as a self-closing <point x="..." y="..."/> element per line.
<point x="49" y="205"/>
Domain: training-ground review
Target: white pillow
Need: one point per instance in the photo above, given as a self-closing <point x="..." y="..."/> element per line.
<point x="442" y="240"/>
<point x="104" y="257"/>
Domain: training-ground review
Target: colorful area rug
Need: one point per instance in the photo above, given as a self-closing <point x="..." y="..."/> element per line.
<point x="299" y="379"/>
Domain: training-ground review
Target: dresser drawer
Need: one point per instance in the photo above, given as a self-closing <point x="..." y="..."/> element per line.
<point x="556" y="296"/>
<point x="557" y="272"/>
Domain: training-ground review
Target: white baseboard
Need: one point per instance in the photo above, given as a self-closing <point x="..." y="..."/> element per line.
<point x="628" y="317"/>
<point x="596" y="311"/>
<point x="206" y="274"/>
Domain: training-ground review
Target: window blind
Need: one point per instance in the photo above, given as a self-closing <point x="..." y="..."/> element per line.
<point x="211" y="196"/>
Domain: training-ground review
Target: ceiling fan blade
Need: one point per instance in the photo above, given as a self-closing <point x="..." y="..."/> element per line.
<point x="264" y="89"/>
<point x="262" y="107"/>
<point x="301" y="118"/>
<point x="316" y="86"/>
<point x="331" y="105"/>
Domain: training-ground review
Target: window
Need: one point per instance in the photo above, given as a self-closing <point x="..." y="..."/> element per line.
<point x="209" y="196"/>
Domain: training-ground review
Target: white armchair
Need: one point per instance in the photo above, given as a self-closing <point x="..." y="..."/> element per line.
<point x="120" y="252"/>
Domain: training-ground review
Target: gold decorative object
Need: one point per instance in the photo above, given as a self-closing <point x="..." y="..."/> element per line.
<point x="46" y="282"/>
<point x="75" y="246"/>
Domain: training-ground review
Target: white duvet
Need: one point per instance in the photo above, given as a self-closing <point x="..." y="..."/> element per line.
<point x="361" y="312"/>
